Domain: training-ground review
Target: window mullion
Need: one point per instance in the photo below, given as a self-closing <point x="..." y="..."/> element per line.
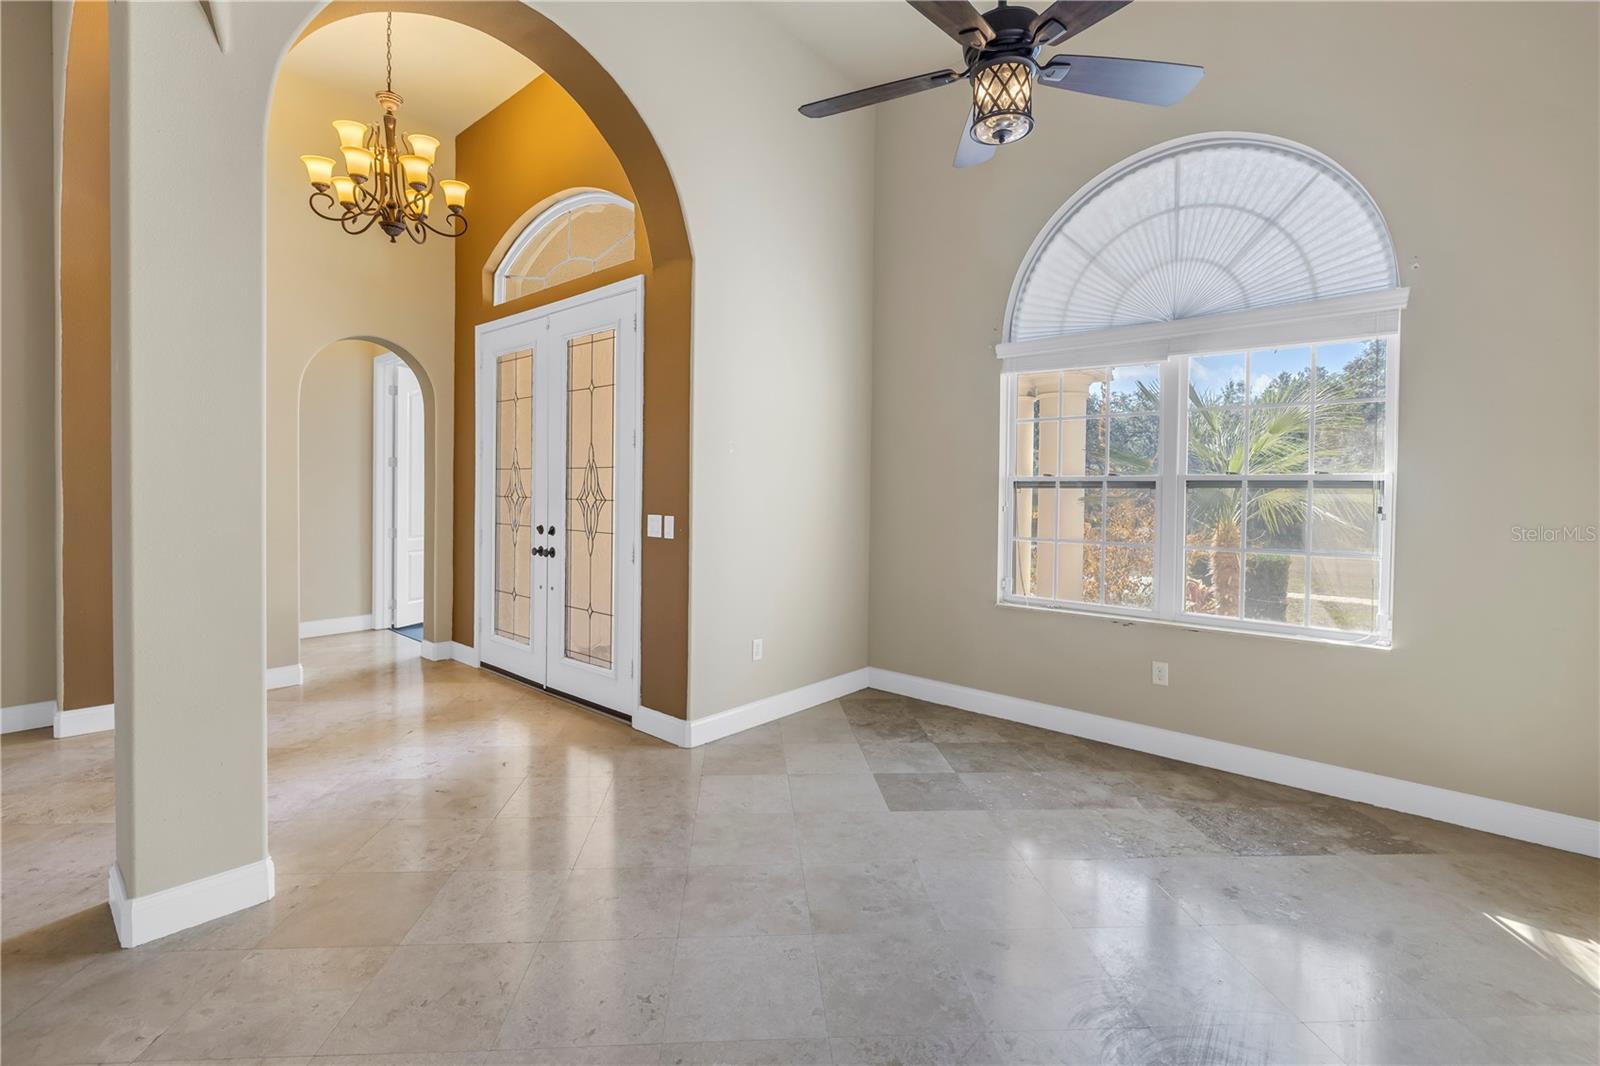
<point x="1169" y="493"/>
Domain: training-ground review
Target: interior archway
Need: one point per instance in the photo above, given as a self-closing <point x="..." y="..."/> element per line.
<point x="664" y="564"/>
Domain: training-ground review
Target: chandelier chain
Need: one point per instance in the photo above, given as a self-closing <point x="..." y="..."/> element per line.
<point x="388" y="53"/>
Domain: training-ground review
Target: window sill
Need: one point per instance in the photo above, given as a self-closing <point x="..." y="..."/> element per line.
<point x="1129" y="619"/>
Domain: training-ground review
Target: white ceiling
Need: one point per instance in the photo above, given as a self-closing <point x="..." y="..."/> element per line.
<point x="430" y="55"/>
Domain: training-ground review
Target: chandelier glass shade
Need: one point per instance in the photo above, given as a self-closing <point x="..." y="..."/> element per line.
<point x="388" y="179"/>
<point x="1002" y="101"/>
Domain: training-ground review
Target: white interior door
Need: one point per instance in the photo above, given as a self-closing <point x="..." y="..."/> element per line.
<point x="409" y="467"/>
<point x="559" y="392"/>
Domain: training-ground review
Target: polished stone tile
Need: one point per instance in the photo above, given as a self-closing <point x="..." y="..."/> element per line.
<point x="1546" y="1040"/>
<point x="1482" y="949"/>
<point x="1107" y="893"/>
<point x="745" y="901"/>
<point x="357" y="910"/>
<point x="317" y="845"/>
<point x="623" y="839"/>
<point x="869" y="897"/>
<point x="877" y="983"/>
<point x="1039" y="979"/>
<point x="1224" y="1043"/>
<point x="736" y="839"/>
<point x="113" y="1009"/>
<point x="1324" y="975"/>
<point x="989" y="757"/>
<point x="430" y="844"/>
<point x="745" y="794"/>
<point x="555" y="797"/>
<point x="1051" y="790"/>
<point x="749" y="1053"/>
<point x="811" y="793"/>
<point x="592" y="992"/>
<point x="988" y="895"/>
<point x="1176" y="976"/>
<point x="826" y="757"/>
<point x="490" y="907"/>
<point x="900" y="757"/>
<point x="926" y="792"/>
<point x="744" y="988"/>
<point x="433" y="997"/>
<point x="743" y="759"/>
<point x="546" y="843"/>
<point x="273" y="1004"/>
<point x="619" y="903"/>
<point x="1431" y="1042"/>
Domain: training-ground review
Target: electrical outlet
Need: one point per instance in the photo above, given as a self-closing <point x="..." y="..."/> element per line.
<point x="1158" y="673"/>
<point x="755" y="650"/>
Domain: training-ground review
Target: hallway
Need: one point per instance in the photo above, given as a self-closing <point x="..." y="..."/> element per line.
<point x="465" y="865"/>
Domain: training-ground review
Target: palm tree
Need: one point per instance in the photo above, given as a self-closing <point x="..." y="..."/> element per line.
<point x="1275" y="442"/>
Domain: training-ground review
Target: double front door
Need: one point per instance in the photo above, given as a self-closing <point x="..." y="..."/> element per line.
<point x="559" y="391"/>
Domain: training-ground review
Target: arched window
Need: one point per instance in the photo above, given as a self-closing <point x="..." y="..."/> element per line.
<point x="1199" y="391"/>
<point x="577" y="235"/>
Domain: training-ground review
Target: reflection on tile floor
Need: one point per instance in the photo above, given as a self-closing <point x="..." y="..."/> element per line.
<point x="472" y="872"/>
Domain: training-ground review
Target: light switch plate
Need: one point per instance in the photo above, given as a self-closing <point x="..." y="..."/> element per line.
<point x="1158" y="673"/>
<point x="669" y="526"/>
<point x="652" y="525"/>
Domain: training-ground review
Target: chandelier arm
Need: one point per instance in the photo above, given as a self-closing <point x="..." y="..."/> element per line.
<point x="454" y="230"/>
<point x="417" y="233"/>
<point x="348" y="227"/>
<point x="319" y="212"/>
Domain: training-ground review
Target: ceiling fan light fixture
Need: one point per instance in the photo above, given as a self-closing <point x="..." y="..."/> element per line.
<point x="1002" y="100"/>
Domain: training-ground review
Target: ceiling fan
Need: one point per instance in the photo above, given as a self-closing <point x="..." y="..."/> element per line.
<point x="1001" y="58"/>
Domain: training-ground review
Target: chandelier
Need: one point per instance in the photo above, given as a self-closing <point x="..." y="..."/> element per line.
<point x="389" y="179"/>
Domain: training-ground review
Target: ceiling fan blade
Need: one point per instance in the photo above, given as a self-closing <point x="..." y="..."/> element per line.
<point x="877" y="94"/>
<point x="1144" y="81"/>
<point x="957" y="18"/>
<point x="970" y="152"/>
<point x="1068" y="18"/>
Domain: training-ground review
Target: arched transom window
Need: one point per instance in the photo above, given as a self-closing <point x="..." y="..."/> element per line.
<point x="1199" y="395"/>
<point x="574" y="237"/>
<point x="1201" y="227"/>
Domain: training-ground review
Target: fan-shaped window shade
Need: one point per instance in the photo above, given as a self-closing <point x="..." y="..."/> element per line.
<point x="1202" y="226"/>
<point x="576" y="236"/>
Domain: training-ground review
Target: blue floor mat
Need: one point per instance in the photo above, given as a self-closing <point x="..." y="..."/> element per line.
<point x="413" y="632"/>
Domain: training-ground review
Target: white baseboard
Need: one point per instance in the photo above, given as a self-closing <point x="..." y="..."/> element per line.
<point x="285" y="676"/>
<point x="27" y="716"/>
<point x="141" y="919"/>
<point x="327" y="627"/>
<point x="81" y="720"/>
<point x="438" y="651"/>
<point x="1550" y="828"/>
<point x="465" y="654"/>
<point x="697" y="731"/>
<point x="662" y="726"/>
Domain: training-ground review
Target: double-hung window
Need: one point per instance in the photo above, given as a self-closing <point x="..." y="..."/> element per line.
<point x="1198" y="396"/>
<point x="1248" y="488"/>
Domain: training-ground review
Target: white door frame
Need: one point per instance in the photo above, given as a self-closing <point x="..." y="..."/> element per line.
<point x="629" y="548"/>
<point x="383" y="451"/>
<point x="385" y="468"/>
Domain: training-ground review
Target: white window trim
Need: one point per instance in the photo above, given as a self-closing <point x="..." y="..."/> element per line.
<point x="543" y="219"/>
<point x="1173" y="344"/>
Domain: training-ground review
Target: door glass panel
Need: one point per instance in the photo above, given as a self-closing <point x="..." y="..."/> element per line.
<point x="513" y="568"/>
<point x="591" y="471"/>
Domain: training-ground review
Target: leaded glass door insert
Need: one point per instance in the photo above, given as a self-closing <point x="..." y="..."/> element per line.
<point x="514" y="456"/>
<point x="559" y="522"/>
<point x="591" y="487"/>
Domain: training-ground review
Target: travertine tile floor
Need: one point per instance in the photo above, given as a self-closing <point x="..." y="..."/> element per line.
<point x="470" y="872"/>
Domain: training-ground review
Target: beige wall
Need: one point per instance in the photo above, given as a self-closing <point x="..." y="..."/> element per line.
<point x="1489" y="185"/>
<point x="27" y="336"/>
<point x="336" y="482"/>
<point x="780" y="217"/>
<point x="323" y="286"/>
